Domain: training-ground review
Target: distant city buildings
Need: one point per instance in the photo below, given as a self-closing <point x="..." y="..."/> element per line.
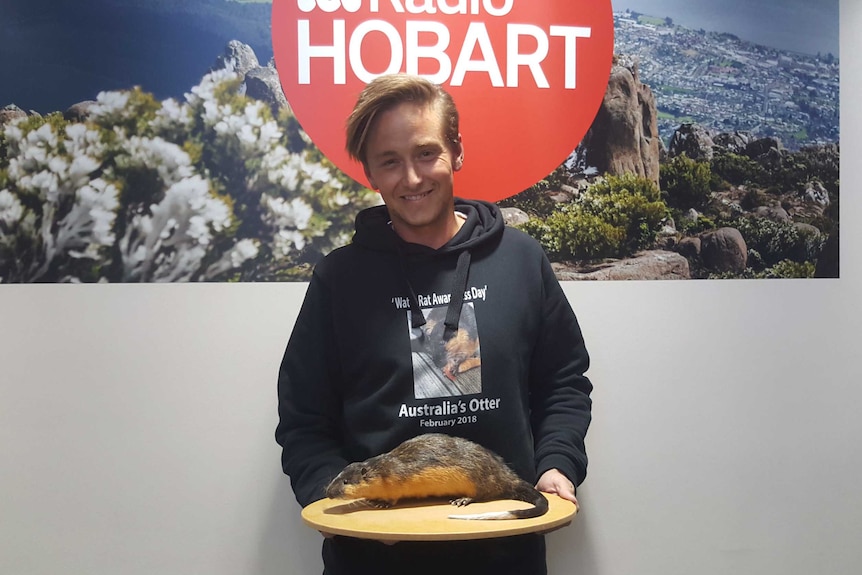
<point x="727" y="84"/>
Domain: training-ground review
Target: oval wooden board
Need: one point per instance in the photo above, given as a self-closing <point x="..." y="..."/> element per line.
<point x="429" y="520"/>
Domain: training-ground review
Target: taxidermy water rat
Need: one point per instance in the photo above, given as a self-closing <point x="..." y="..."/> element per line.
<point x="438" y="465"/>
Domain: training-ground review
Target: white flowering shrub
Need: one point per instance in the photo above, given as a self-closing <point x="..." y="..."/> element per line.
<point x="211" y="188"/>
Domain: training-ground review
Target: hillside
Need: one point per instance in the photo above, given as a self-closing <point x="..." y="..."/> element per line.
<point x="58" y="53"/>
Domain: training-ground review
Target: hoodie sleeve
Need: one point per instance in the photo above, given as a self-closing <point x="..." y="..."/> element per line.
<point x="560" y="404"/>
<point x="309" y="407"/>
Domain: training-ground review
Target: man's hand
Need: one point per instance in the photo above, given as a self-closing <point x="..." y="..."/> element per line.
<point x="553" y="481"/>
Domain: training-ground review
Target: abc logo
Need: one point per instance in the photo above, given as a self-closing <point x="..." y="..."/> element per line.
<point x="527" y="75"/>
<point x="329" y="5"/>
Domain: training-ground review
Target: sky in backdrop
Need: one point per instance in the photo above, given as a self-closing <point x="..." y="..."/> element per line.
<point x="808" y="26"/>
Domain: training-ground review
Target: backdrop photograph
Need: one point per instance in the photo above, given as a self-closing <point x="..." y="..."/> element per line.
<point x="159" y="141"/>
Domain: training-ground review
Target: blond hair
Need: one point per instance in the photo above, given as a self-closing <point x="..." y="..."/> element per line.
<point x="386" y="92"/>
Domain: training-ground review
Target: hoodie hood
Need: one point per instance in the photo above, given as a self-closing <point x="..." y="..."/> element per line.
<point x="483" y="224"/>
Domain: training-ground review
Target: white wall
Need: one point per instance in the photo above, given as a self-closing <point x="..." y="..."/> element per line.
<point x="136" y="422"/>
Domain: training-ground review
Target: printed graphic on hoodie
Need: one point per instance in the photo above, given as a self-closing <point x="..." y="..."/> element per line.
<point x="445" y="367"/>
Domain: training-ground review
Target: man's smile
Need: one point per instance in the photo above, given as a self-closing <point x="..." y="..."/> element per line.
<point x="415" y="197"/>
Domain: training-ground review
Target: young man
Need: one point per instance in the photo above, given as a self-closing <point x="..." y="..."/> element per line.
<point x="437" y="318"/>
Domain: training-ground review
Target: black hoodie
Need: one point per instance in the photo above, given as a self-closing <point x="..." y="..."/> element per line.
<point x="474" y="339"/>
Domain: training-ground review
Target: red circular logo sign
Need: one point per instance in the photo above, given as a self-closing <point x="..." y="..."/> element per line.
<point x="528" y="76"/>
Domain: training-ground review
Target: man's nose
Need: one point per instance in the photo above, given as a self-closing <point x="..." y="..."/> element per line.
<point x="411" y="174"/>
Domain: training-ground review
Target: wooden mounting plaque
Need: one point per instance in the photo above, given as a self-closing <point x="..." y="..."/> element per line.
<point x="429" y="520"/>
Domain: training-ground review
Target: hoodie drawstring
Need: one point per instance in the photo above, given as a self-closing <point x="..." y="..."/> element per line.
<point x="417" y="319"/>
<point x="459" y="285"/>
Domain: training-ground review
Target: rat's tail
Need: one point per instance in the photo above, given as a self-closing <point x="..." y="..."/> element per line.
<point x="525" y="492"/>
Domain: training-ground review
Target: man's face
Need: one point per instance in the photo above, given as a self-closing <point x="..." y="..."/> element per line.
<point x="409" y="161"/>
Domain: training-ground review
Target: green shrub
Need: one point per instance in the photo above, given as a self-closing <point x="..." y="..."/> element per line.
<point x="686" y="182"/>
<point x="777" y="241"/>
<point x="784" y="269"/>
<point x="534" y="200"/>
<point x="212" y="188"/>
<point x="613" y="218"/>
<point x="790" y="269"/>
<point x="736" y="169"/>
<point x="572" y="234"/>
<point x="754" y="198"/>
<point x="694" y="227"/>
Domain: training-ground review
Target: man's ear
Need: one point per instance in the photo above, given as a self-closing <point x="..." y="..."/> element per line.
<point x="458" y="150"/>
<point x="368" y="176"/>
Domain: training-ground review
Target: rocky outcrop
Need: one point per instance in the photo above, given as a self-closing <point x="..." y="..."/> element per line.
<point x="699" y="143"/>
<point x="815" y="192"/>
<point x="723" y="250"/>
<point x="263" y="84"/>
<point x="689" y="248"/>
<point x="694" y="141"/>
<point x="763" y="146"/>
<point x="717" y="251"/>
<point x="784" y="201"/>
<point x="624" y="135"/>
<point x="259" y="82"/>
<point x="808" y="230"/>
<point x="79" y="112"/>
<point x="649" y="265"/>
<point x="514" y="216"/>
<point x="774" y="213"/>
<point x="732" y="142"/>
<point x="238" y="55"/>
<point x="11" y="112"/>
